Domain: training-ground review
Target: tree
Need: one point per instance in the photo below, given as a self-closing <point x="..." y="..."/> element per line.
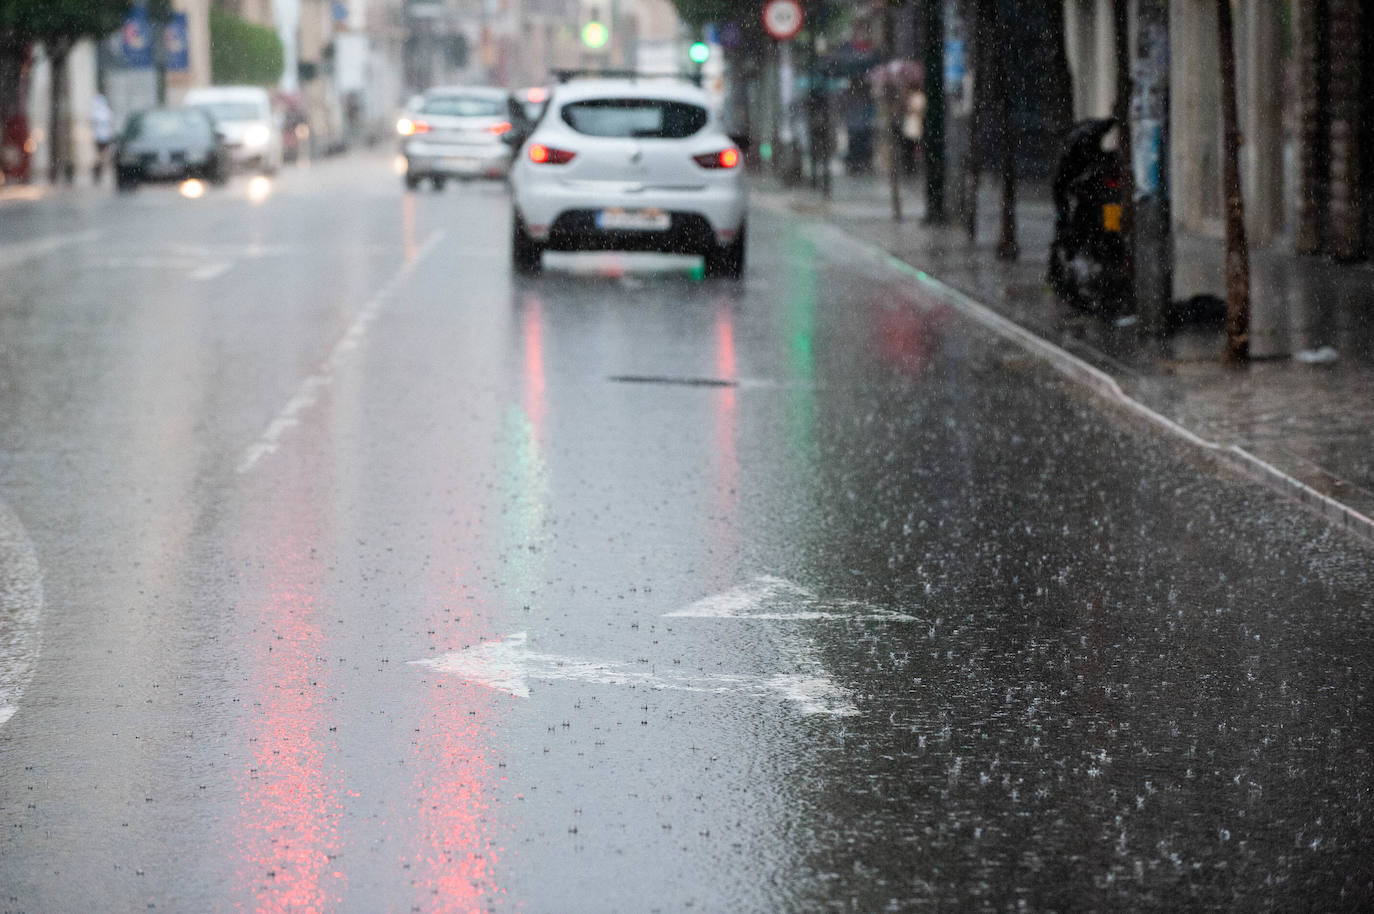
<point x="1121" y="110"/>
<point x="1237" y="350"/>
<point x="59" y="25"/>
<point x="934" y="140"/>
<point x="1000" y="79"/>
<point x="242" y="53"/>
<point x="973" y="159"/>
<point x="1058" y="91"/>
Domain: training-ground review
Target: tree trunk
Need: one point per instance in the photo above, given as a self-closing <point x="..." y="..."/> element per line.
<point x="1121" y="110"/>
<point x="933" y="142"/>
<point x="13" y="52"/>
<point x="972" y="159"/>
<point x="60" y="165"/>
<point x="1007" y="248"/>
<point x="1060" y="77"/>
<point x="1237" y="350"/>
<point x="893" y="93"/>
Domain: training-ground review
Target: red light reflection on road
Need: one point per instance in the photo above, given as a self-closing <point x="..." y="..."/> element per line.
<point x="725" y="498"/>
<point x="536" y="405"/>
<point x="457" y="850"/>
<point x="454" y="867"/>
<point x="290" y="807"/>
<point x="905" y="335"/>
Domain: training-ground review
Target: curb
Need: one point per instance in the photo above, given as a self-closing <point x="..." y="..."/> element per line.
<point x="1105" y="386"/>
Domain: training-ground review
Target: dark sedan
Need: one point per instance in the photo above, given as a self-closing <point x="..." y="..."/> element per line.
<point x="170" y="144"/>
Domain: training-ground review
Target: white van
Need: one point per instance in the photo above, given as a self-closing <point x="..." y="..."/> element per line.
<point x="244" y="115"/>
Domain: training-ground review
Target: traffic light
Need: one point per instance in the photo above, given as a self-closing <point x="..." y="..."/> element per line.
<point x="595" y="33"/>
<point x="699" y="52"/>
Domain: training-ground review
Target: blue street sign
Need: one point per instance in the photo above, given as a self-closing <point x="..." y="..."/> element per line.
<point x="136" y="40"/>
<point x="177" y="42"/>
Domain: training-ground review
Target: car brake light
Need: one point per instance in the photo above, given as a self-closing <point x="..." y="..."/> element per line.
<point x="547" y="155"/>
<point x="726" y="158"/>
<point x="498" y="129"/>
<point x="406" y="127"/>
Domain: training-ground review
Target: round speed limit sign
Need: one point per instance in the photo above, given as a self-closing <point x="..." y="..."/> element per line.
<point x="783" y="19"/>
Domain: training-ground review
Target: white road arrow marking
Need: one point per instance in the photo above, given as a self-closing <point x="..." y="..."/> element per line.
<point x="773" y="599"/>
<point x="509" y="665"/>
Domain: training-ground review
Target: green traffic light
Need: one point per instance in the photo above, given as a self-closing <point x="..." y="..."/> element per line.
<point x="699" y="52"/>
<point x="594" y="35"/>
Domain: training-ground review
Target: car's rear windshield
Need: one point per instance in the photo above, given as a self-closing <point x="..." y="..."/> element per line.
<point x="157" y="124"/>
<point x="231" y="111"/>
<point x="464" y="106"/>
<point x="635" y="117"/>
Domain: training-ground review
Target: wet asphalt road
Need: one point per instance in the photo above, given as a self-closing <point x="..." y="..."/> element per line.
<point x="339" y="571"/>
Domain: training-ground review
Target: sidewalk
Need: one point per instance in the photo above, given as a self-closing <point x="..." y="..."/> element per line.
<point x="1311" y="422"/>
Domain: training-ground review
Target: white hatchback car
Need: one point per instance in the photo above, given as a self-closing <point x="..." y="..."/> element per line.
<point x="629" y="164"/>
<point x="456" y="132"/>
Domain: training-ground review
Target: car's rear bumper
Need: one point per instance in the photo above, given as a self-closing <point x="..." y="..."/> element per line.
<point x="559" y="213"/>
<point x="456" y="160"/>
<point x="576" y="230"/>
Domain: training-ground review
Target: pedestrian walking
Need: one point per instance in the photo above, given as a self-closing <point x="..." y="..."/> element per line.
<point x="102" y="131"/>
<point x="913" y="130"/>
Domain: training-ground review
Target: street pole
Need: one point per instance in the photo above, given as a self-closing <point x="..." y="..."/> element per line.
<point x="159" y="15"/>
<point x="1154" y="246"/>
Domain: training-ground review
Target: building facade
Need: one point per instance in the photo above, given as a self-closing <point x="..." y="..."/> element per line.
<point x="1305" y="95"/>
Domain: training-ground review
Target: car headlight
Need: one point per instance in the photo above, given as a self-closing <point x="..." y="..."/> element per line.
<point x="256" y="136"/>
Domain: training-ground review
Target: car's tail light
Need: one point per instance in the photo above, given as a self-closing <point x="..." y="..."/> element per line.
<point x="499" y="129"/>
<point x="406" y="127"/>
<point x="547" y="155"/>
<point x="726" y="158"/>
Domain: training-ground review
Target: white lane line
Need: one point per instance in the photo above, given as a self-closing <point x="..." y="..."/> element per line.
<point x="12" y="255"/>
<point x="770" y="599"/>
<point x="508" y="666"/>
<point x="21" y="606"/>
<point x="309" y="391"/>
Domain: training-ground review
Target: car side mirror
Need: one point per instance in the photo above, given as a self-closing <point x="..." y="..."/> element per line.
<point x="515" y="137"/>
<point x="742" y="140"/>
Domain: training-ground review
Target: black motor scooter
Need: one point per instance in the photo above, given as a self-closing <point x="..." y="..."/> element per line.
<point x="1087" y="266"/>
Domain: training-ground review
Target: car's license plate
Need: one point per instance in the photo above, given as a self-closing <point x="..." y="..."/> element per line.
<point x="634" y="220"/>
<point x="1111" y="217"/>
<point x="462" y="163"/>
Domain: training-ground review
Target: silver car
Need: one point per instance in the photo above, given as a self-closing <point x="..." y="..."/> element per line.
<point x="456" y="132"/>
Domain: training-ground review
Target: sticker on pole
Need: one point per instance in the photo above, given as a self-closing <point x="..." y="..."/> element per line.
<point x="783" y="19"/>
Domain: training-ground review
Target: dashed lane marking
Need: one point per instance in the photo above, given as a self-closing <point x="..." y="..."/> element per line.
<point x="310" y="389"/>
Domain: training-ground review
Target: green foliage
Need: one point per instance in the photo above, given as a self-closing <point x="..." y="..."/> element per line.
<point x="62" y="21"/>
<point x="242" y="53"/>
